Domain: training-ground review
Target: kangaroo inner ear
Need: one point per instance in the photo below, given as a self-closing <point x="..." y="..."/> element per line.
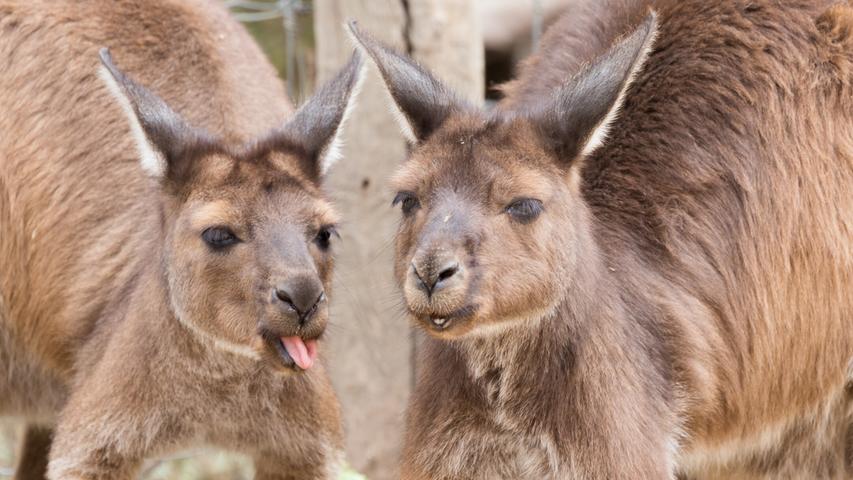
<point x="576" y="120"/>
<point x="160" y="134"/>
<point x="421" y="102"/>
<point x="317" y="126"/>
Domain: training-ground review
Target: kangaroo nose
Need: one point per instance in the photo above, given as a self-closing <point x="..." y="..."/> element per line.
<point x="433" y="279"/>
<point x="303" y="295"/>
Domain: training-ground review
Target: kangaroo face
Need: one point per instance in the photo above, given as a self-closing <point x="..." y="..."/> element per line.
<point x="249" y="258"/>
<point x="485" y="238"/>
<point x="248" y="235"/>
<point x="493" y="215"/>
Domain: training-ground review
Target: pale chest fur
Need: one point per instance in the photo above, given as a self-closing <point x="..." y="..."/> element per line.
<point x="502" y="441"/>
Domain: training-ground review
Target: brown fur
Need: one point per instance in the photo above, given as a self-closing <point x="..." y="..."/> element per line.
<point x="582" y="33"/>
<point x="682" y="305"/>
<point x="113" y="311"/>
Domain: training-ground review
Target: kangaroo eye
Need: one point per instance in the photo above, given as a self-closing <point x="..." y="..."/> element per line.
<point x="408" y="200"/>
<point x="324" y="236"/>
<point x="219" y="238"/>
<point x="525" y="210"/>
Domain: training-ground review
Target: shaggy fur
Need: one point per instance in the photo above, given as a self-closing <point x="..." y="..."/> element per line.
<point x="681" y="305"/>
<point x="120" y="327"/>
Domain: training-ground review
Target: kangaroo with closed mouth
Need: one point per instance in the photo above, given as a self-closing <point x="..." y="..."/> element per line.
<point x="640" y="264"/>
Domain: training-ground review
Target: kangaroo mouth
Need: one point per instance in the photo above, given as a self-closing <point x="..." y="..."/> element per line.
<point x="439" y="321"/>
<point x="302" y="353"/>
<point x="294" y="352"/>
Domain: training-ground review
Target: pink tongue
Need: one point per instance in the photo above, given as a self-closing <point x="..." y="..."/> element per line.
<point x="302" y="352"/>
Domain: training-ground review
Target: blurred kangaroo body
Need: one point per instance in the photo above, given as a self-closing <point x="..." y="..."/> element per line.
<point x="86" y="323"/>
<point x="61" y="132"/>
<point x="695" y="265"/>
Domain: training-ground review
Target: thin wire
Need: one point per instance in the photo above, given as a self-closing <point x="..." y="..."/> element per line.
<point x="251" y="5"/>
<point x="288" y="10"/>
<point x="257" y="16"/>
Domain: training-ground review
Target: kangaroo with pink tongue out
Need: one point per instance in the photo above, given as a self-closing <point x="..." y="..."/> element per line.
<point x="303" y="352"/>
<point x="166" y="248"/>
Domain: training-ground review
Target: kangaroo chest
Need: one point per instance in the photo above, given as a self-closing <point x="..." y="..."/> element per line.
<point x="507" y="437"/>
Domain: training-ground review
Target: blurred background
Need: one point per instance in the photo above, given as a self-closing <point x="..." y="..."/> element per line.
<point x="473" y="45"/>
<point x="285" y="29"/>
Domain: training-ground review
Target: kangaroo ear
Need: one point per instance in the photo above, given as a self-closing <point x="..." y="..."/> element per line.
<point x="576" y="120"/>
<point x="161" y="135"/>
<point x="421" y="102"/>
<point x="316" y="127"/>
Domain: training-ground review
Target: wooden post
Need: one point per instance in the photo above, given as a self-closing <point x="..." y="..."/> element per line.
<point x="371" y="346"/>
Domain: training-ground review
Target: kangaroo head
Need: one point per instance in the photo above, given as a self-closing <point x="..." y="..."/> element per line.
<point x="247" y="234"/>
<point x="493" y="223"/>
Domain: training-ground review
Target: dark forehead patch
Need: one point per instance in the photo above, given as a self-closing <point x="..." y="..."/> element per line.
<point x="272" y="171"/>
<point x="258" y="191"/>
<point x="284" y="153"/>
<point x="481" y="145"/>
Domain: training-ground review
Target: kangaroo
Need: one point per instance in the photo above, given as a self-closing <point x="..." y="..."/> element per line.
<point x="643" y="270"/>
<point x="166" y="250"/>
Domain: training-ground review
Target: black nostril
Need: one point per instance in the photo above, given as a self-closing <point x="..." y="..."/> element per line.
<point x="301" y="294"/>
<point x="434" y="278"/>
<point x="304" y="317"/>
<point x="448" y="272"/>
<point x="284" y="297"/>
